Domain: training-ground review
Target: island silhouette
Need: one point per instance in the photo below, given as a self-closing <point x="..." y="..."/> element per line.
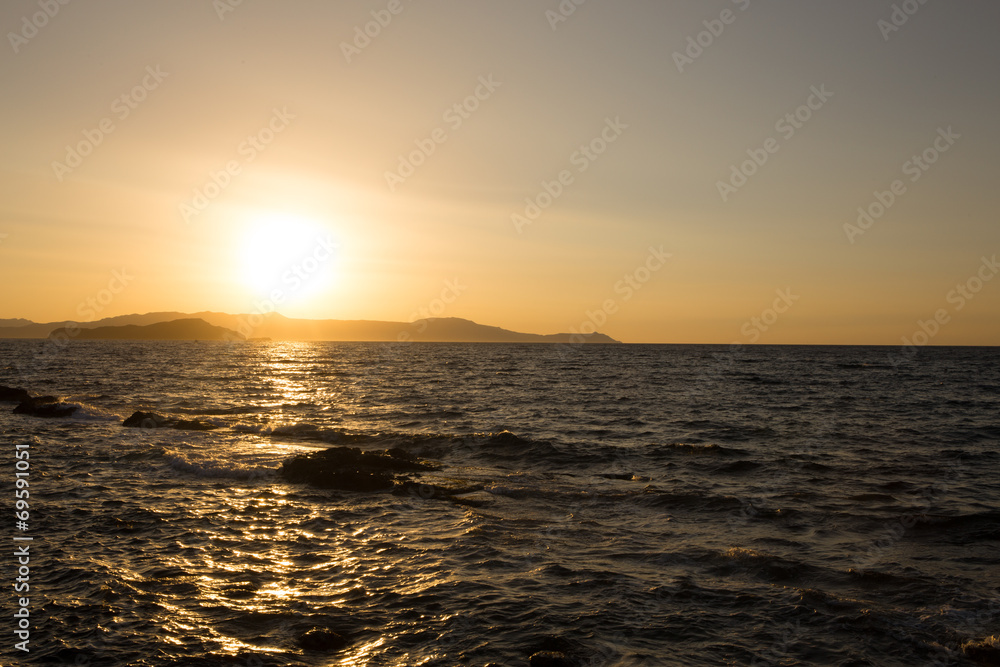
<point x="211" y="326"/>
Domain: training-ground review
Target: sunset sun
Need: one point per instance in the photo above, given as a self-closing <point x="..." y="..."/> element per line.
<point x="288" y="258"/>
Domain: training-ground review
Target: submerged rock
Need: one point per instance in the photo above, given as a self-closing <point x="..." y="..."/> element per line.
<point x="48" y="407"/>
<point x="152" y="420"/>
<point x="350" y="469"/>
<point x="322" y="639"/>
<point x="550" y="659"/>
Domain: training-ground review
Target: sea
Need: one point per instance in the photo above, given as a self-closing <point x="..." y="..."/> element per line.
<point x="630" y="505"/>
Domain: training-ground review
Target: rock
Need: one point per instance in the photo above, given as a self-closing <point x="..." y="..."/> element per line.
<point x="48" y="407"/>
<point x="550" y="659"/>
<point x="986" y="652"/>
<point x="152" y="420"/>
<point x="356" y="480"/>
<point x="145" y="420"/>
<point x="322" y="639"/>
<point x="350" y="469"/>
<point x="13" y="395"/>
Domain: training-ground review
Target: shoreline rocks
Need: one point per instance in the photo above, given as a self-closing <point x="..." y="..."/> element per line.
<point x="48" y="407"/>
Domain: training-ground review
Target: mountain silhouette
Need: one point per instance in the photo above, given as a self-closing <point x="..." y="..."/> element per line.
<point x="184" y="329"/>
<point x="278" y="327"/>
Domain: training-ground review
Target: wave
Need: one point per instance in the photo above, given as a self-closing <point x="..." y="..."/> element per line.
<point x="310" y="432"/>
<point x="217" y="469"/>
<point x="710" y="449"/>
<point x="697" y="500"/>
<point x="742" y="561"/>
<point x="85" y="412"/>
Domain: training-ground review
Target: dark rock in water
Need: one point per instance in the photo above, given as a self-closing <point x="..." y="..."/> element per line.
<point x="145" y="420"/>
<point x="321" y="639"/>
<point x="13" y="395"/>
<point x="550" y="659"/>
<point x="986" y="653"/>
<point x="350" y="469"/>
<point x="152" y="420"/>
<point x="356" y="480"/>
<point x="48" y="407"/>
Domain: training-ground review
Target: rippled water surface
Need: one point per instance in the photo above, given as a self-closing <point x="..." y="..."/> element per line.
<point x="640" y="505"/>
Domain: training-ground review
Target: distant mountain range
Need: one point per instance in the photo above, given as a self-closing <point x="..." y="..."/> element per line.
<point x="223" y="326"/>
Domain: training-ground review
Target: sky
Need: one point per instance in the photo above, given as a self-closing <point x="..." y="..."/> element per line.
<point x="796" y="172"/>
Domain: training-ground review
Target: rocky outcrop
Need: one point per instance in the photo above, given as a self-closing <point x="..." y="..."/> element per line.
<point x="350" y="469"/>
<point x="152" y="420"/>
<point x="48" y="407"/>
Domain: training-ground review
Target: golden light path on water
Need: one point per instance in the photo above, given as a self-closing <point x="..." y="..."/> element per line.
<point x="254" y="568"/>
<point x="228" y="568"/>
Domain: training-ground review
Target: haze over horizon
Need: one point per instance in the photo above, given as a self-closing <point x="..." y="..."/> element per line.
<point x="690" y="173"/>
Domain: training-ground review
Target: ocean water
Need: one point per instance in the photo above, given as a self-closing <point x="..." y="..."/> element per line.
<point x="639" y="505"/>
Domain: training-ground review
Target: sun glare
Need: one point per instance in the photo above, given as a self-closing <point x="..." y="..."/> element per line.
<point x="287" y="258"/>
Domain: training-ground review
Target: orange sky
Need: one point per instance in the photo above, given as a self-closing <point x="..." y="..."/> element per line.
<point x="667" y="172"/>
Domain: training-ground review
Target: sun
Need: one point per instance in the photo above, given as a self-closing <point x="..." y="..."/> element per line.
<point x="287" y="258"/>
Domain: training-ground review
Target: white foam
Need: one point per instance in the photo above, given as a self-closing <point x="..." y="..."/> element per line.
<point x="218" y="469"/>
<point x="93" y="413"/>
